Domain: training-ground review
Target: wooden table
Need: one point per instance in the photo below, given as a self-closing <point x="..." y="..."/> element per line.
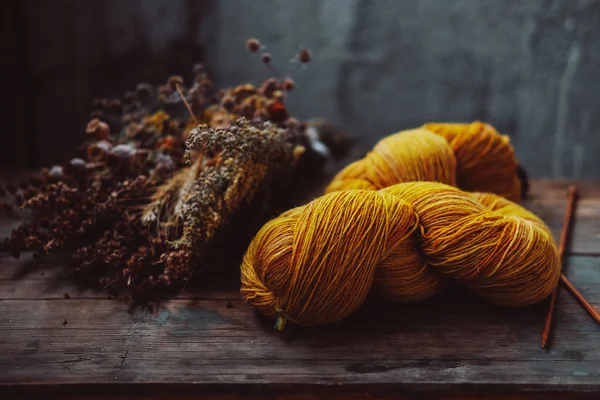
<point x="210" y="343"/>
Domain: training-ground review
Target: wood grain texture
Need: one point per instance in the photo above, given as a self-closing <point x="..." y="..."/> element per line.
<point x="210" y="344"/>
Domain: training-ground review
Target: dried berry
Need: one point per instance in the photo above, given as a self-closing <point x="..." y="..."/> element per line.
<point x="98" y="129"/>
<point x="253" y="45"/>
<point x="304" y="56"/>
<point x="289" y="85"/>
<point x="266" y="58"/>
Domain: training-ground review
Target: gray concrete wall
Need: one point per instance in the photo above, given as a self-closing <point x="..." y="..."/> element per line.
<point x="529" y="67"/>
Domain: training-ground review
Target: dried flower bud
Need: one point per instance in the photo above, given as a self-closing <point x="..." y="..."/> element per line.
<point x="278" y="96"/>
<point x="123" y="151"/>
<point x="291" y="123"/>
<point x="78" y="163"/>
<point x="253" y="45"/>
<point x="260" y="115"/>
<point x="240" y="92"/>
<point x="288" y="85"/>
<point x="174" y="81"/>
<point x="99" y="129"/>
<point x="164" y="90"/>
<point x="277" y="112"/>
<point x="227" y="103"/>
<point x="304" y="56"/>
<point x="268" y="87"/>
<point x="97" y="151"/>
<point x="267" y="58"/>
<point x="56" y="172"/>
<point x="246" y="110"/>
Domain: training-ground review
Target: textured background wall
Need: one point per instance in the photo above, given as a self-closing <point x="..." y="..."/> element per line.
<point x="531" y="68"/>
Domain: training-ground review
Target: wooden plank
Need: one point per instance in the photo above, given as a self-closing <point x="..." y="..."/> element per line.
<point x="451" y="343"/>
<point x="557" y="188"/>
<point x="210" y="340"/>
<point x="314" y="395"/>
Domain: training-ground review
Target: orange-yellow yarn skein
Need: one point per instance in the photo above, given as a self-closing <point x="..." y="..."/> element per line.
<point x="473" y="157"/>
<point x="315" y="264"/>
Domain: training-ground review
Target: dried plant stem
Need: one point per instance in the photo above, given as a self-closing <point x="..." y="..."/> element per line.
<point x="187" y="105"/>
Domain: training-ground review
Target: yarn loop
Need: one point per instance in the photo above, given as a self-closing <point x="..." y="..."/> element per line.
<point x="473" y="157"/>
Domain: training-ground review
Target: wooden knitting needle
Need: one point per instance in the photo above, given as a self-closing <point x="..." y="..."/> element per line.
<point x="584" y="303"/>
<point x="566" y="228"/>
<point x="572" y="289"/>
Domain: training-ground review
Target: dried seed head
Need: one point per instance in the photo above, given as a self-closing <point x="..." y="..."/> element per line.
<point x="260" y="115"/>
<point x="268" y="87"/>
<point x="164" y="90"/>
<point x="123" y="151"/>
<point x="78" y="163"/>
<point x="266" y="58"/>
<point x="246" y="110"/>
<point x="253" y="45"/>
<point x="174" y="81"/>
<point x="96" y="151"/>
<point x="227" y="103"/>
<point x="278" y="95"/>
<point x="56" y="172"/>
<point x="98" y="129"/>
<point x="291" y="123"/>
<point x="304" y="56"/>
<point x="289" y="84"/>
<point x="277" y="112"/>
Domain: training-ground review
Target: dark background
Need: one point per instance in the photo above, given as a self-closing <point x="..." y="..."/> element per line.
<point x="531" y="68"/>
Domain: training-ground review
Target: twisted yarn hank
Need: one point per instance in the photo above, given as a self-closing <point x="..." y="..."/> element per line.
<point x="316" y="264"/>
<point x="474" y="157"/>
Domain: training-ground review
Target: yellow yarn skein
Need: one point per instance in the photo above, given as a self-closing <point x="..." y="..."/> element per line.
<point x="473" y="157"/>
<point x="316" y="264"/>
